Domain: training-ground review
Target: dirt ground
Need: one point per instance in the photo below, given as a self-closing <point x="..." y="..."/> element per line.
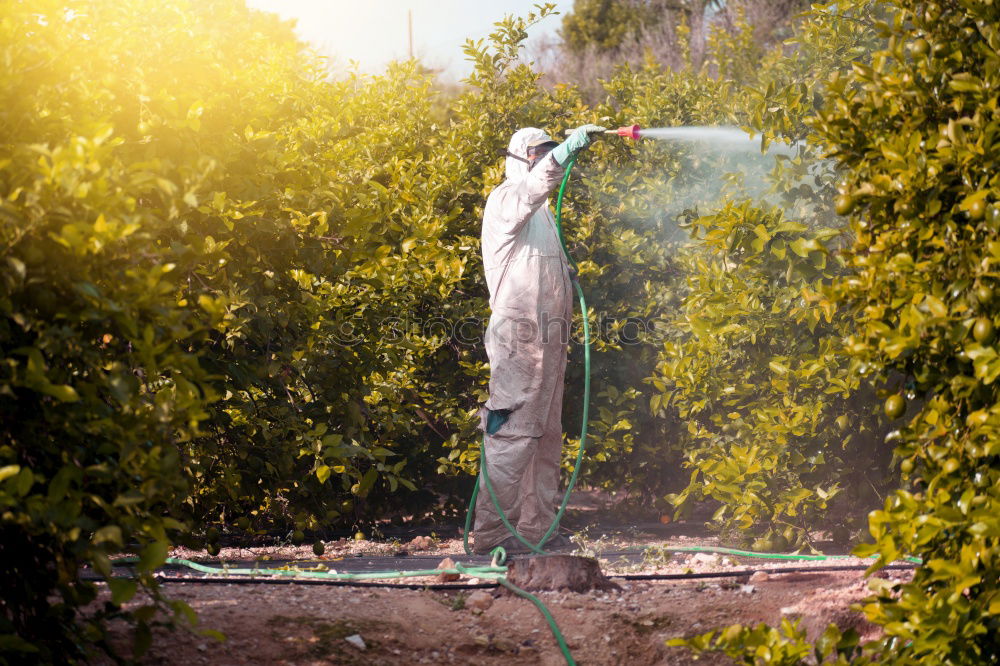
<point x="310" y="624"/>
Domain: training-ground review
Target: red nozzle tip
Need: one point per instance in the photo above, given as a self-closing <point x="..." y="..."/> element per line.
<point x="629" y="132"/>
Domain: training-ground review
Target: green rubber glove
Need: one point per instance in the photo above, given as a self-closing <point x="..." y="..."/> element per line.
<point x="577" y="141"/>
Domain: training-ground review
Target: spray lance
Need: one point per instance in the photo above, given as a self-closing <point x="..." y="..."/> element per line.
<point x="633" y="132"/>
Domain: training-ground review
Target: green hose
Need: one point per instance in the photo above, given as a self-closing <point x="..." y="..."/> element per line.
<point x="537" y="548"/>
<point x="490" y="571"/>
<point x="769" y="556"/>
<point x="545" y="612"/>
<point x="479" y="572"/>
<point x="494" y="573"/>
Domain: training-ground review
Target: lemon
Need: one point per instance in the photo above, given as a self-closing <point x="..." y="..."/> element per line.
<point x="977" y="210"/>
<point x="843" y="204"/>
<point x="983" y="331"/>
<point x="894" y="406"/>
<point x="984" y="294"/>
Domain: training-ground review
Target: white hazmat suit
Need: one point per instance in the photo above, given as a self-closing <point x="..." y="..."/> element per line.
<point x="526" y="341"/>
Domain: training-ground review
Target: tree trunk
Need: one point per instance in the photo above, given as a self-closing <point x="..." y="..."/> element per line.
<point x="558" y="572"/>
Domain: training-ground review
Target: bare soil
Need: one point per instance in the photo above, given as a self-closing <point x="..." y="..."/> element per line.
<point x="310" y="624"/>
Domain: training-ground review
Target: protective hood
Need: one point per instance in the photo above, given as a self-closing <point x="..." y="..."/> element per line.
<point x="516" y="169"/>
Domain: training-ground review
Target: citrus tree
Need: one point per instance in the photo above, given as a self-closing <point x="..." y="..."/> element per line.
<point x="205" y="247"/>
<point x="912" y="130"/>
<point x="916" y="134"/>
<point x="742" y="382"/>
<point x="777" y="419"/>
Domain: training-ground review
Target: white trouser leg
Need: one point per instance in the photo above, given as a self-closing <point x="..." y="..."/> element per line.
<point x="540" y="490"/>
<point x="507" y="460"/>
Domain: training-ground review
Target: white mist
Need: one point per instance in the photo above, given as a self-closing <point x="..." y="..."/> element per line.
<point x="724" y="138"/>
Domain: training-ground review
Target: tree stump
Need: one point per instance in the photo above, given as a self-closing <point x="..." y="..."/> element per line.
<point x="558" y="572"/>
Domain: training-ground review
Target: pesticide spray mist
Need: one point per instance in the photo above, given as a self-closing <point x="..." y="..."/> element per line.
<point x="720" y="138"/>
<point x="723" y="137"/>
<point x="702" y="167"/>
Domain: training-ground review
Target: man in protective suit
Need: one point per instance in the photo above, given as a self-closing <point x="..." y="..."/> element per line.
<point x="526" y="341"/>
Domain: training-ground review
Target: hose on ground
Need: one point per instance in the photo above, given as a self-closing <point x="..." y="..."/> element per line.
<point x="495" y="572"/>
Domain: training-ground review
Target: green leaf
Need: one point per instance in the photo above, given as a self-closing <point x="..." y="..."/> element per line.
<point x="8" y="471"/>
<point x="108" y="533"/>
<point x="367" y="482"/>
<point x="23" y="482"/>
<point x="122" y="590"/>
<point x="153" y="556"/>
<point x="142" y="639"/>
<point x="213" y="634"/>
<point x="13" y="643"/>
<point x="61" y="392"/>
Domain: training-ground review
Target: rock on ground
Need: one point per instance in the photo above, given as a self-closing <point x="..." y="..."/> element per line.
<point x="479" y="600"/>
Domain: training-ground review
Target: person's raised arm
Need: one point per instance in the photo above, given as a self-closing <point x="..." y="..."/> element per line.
<point x="515" y="203"/>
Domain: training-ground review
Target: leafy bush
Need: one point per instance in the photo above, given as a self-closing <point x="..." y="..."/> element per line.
<point x="203" y="240"/>
<point x="912" y="132"/>
<point x="744" y="301"/>
<point x="784" y="646"/>
<point x="916" y="134"/>
<point x="774" y="414"/>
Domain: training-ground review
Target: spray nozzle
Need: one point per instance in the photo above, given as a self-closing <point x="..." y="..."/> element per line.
<point x="628" y="131"/>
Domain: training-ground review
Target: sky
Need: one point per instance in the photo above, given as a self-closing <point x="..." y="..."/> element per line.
<point x="373" y="32"/>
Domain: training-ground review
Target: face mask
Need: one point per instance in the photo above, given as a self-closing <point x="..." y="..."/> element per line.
<point x="541" y="150"/>
<point x="531" y="163"/>
<point x="535" y="153"/>
<point x="516" y="157"/>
